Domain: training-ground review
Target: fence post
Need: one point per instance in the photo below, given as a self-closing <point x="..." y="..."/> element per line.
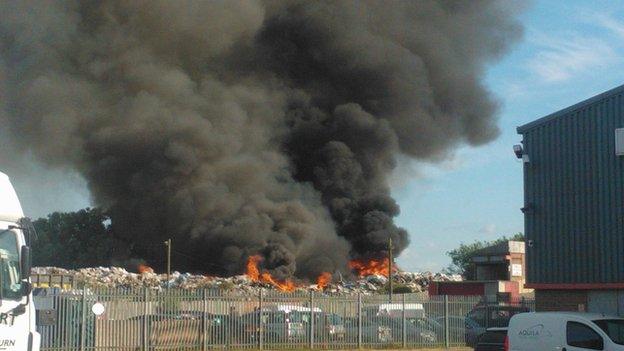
<point x="260" y="324"/>
<point x="446" y="322"/>
<point x="83" y="324"/>
<point x="204" y="321"/>
<point x="311" y="303"/>
<point x="359" y="320"/>
<point x="487" y="312"/>
<point x="145" y="340"/>
<point x="404" y="324"/>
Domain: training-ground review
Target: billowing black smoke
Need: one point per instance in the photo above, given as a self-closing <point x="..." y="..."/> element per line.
<point x="248" y="127"/>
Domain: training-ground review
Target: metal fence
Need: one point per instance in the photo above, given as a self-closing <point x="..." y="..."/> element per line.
<point x="203" y="319"/>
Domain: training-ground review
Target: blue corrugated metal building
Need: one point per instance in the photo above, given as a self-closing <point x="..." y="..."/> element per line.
<point x="574" y="205"/>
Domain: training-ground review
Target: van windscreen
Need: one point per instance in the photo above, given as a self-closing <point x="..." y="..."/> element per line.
<point x="614" y="328"/>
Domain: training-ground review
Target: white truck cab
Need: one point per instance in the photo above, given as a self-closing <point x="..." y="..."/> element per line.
<point x="565" y="331"/>
<point x="17" y="313"/>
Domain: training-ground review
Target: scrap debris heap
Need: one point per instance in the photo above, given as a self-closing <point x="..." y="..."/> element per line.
<point x="112" y="277"/>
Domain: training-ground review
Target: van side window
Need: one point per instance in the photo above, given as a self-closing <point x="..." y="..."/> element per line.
<point x="580" y="335"/>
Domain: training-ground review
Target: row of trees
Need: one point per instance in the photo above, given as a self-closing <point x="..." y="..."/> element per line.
<point x="84" y="238"/>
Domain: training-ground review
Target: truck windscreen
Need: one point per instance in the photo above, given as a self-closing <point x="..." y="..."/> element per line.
<point x="9" y="266"/>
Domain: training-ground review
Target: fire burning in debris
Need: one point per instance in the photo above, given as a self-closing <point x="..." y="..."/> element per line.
<point x="253" y="272"/>
<point x="143" y="268"/>
<point x="323" y="280"/>
<point x="252" y="268"/>
<point x="369" y="267"/>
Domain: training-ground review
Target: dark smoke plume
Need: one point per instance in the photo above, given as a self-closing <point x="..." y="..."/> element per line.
<point x="249" y="127"/>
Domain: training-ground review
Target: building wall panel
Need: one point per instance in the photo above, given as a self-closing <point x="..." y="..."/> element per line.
<point x="560" y="300"/>
<point x="574" y="194"/>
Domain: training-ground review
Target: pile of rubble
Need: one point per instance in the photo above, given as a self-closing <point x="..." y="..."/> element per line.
<point x="112" y="277"/>
<point x="412" y="281"/>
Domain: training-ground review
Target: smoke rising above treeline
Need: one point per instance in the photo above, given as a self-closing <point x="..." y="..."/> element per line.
<point x="249" y="127"/>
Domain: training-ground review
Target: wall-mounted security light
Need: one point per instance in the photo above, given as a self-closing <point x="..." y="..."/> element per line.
<point x="619" y="142"/>
<point x="527" y="208"/>
<point x="519" y="151"/>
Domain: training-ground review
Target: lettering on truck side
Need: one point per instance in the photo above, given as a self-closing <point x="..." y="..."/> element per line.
<point x="6" y="343"/>
<point x="534" y="332"/>
<point x="7" y="319"/>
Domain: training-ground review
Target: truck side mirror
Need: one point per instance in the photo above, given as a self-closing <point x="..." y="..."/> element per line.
<point x="25" y="288"/>
<point x="25" y="263"/>
<point x="26" y="225"/>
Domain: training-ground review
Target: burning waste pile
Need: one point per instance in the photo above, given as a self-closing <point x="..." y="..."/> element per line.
<point x="369" y="279"/>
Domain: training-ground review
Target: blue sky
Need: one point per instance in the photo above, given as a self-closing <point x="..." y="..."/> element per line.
<point x="571" y="51"/>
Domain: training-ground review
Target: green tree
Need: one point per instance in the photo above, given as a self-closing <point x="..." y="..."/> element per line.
<point x="461" y="256"/>
<point x="74" y="239"/>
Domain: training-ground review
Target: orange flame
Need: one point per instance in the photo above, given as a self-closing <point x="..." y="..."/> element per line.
<point x="287" y="285"/>
<point x="143" y="268"/>
<point x="323" y="280"/>
<point x="265" y="277"/>
<point x="370" y="267"/>
<point x="253" y="272"/>
<point x="252" y="268"/>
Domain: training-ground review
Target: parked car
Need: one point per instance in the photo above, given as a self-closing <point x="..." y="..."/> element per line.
<point x="489" y="316"/>
<point x="461" y="329"/>
<point x="395" y="310"/>
<point x="570" y="331"/>
<point x="420" y="334"/>
<point x="374" y="330"/>
<point x="278" y="326"/>
<point x="429" y="323"/>
<point x="221" y="329"/>
<point x="414" y="332"/>
<point x="388" y="330"/>
<point x="494" y="339"/>
<point x="327" y="326"/>
<point x="495" y="316"/>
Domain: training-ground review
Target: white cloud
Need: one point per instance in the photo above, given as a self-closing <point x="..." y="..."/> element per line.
<point x="607" y="21"/>
<point x="562" y="57"/>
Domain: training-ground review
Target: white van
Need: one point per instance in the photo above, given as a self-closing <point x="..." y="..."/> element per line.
<point x="395" y="310"/>
<point x="565" y="331"/>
